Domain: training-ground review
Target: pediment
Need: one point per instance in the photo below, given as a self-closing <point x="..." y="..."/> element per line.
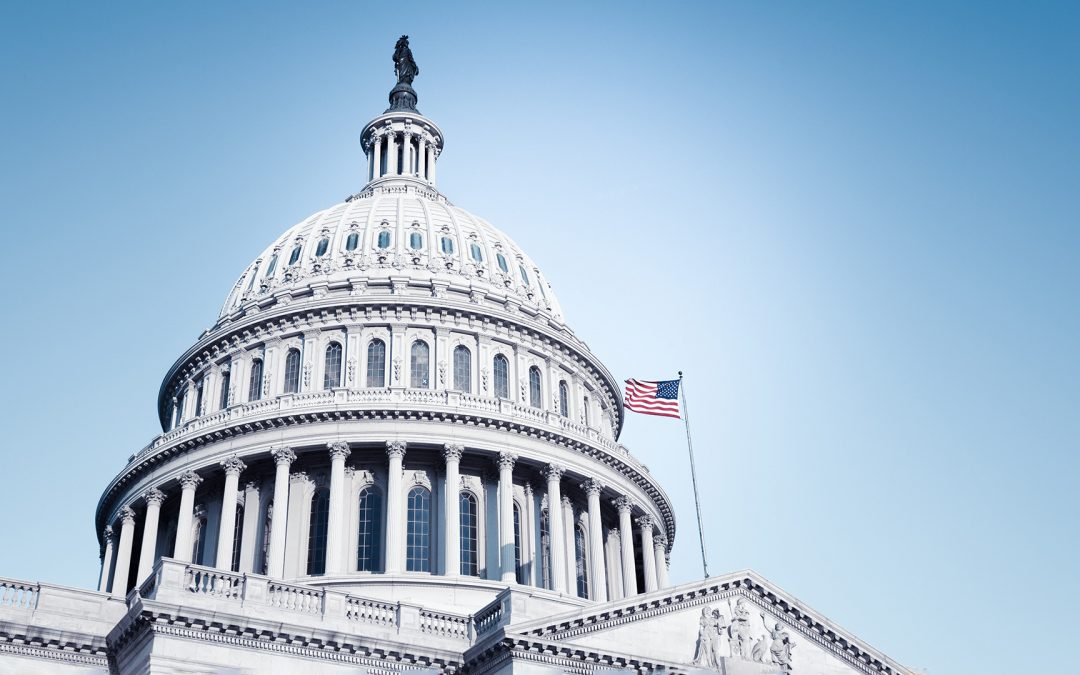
<point x="737" y="625"/>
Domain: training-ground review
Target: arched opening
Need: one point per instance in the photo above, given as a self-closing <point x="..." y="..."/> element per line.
<point x="501" y="368"/>
<point x="462" y="369"/>
<point x="470" y="535"/>
<point x="332" y="366"/>
<point x="318" y="525"/>
<point x="369" y="532"/>
<point x="376" y="363"/>
<point x="535" y="394"/>
<point x="418" y="532"/>
<point x="292" y="371"/>
<point x="255" y="381"/>
<point x="582" y="565"/>
<point x="419" y="365"/>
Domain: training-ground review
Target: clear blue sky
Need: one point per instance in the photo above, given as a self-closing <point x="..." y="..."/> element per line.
<point x="854" y="225"/>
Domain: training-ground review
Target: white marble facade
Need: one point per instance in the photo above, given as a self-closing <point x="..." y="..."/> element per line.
<point x="391" y="453"/>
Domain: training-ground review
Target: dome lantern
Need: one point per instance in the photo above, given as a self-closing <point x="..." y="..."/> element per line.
<point x="401" y="143"/>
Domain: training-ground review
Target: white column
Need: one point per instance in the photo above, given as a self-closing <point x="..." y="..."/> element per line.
<point x="570" y="532"/>
<point x="598" y="574"/>
<point x="660" y="547"/>
<point x="106" y="560"/>
<point x="371" y="158"/>
<point x="406" y="154"/>
<point x="421" y="155"/>
<point x="433" y="163"/>
<point x="376" y="170"/>
<point x="615" y="582"/>
<point x="647" y="554"/>
<point x="283" y="459"/>
<point x="227" y="525"/>
<point x="626" y="537"/>
<point x="553" y="473"/>
<point x="335" y="546"/>
<point x="507" y="559"/>
<point x="528" y="548"/>
<point x="252" y="509"/>
<point x="182" y="549"/>
<point x="395" y="509"/>
<point x="123" y="551"/>
<point x="153" y="498"/>
<point x="452" y="495"/>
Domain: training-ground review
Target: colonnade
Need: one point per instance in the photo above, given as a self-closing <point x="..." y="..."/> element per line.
<point x="402" y="153"/>
<point x="561" y="556"/>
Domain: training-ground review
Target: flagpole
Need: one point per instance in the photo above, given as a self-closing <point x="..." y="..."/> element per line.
<point x="693" y="475"/>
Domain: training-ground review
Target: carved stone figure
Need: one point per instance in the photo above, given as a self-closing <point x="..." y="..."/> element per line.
<point x="404" y="65"/>
<point x="708" y="632"/>
<point x="780" y="646"/>
<point x="740" y="633"/>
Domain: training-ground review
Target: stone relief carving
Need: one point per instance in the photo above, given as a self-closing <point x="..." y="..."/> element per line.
<point x="442" y="373"/>
<point x="351" y="371"/>
<point x="738" y="639"/>
<point x="307" y="375"/>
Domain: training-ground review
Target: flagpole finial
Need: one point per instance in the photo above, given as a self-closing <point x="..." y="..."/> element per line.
<point x="680" y="374"/>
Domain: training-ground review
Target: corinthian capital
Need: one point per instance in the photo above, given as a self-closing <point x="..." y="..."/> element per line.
<point x="452" y="452"/>
<point x="127" y="515"/>
<point x="645" y="522"/>
<point x="233" y="466"/>
<point x="395" y="448"/>
<point x="592" y="487"/>
<point x="623" y="504"/>
<point x="659" y="542"/>
<point x="154" y="497"/>
<point x="338" y="449"/>
<point x="108" y="535"/>
<point x="283" y="455"/>
<point x="506" y="460"/>
<point x="189" y="480"/>
<point x="553" y="472"/>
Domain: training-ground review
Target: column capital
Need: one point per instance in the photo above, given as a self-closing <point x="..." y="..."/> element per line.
<point x="592" y="487"/>
<point x="338" y="449"/>
<point x="553" y="472"/>
<point x="251" y="486"/>
<point x="127" y="515"/>
<point x="660" y="542"/>
<point x="189" y="480"/>
<point x="614" y="532"/>
<point x="506" y="460"/>
<point x="645" y="522"/>
<point x="528" y="489"/>
<point x="623" y="504"/>
<point x="566" y="501"/>
<point x="395" y="449"/>
<point x="452" y="452"/>
<point x="108" y="535"/>
<point x="283" y="455"/>
<point x="233" y="466"/>
<point x="153" y="496"/>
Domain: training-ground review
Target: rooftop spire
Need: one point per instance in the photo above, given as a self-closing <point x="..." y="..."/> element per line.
<point x="403" y="96"/>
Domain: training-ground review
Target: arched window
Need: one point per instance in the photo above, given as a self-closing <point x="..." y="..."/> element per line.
<point x="226" y="384"/>
<point x="518" y="565"/>
<point x="582" y="570"/>
<point x="271" y="267"/>
<point x="295" y="255"/>
<point x="180" y="396"/>
<point x="535" y="398"/>
<point x="476" y="253"/>
<point x="545" y="549"/>
<point x="418" y="532"/>
<point x="419" y="368"/>
<point x="332" y="366"/>
<point x="318" y="525"/>
<point x="462" y="369"/>
<point x="199" y="397"/>
<point x="502" y="376"/>
<point x="320" y="248"/>
<point x="255" y="381"/>
<point x="292" y="371"/>
<point x="470" y="535"/>
<point x="384" y="239"/>
<point x="376" y="363"/>
<point x="585" y="410"/>
<point x="524" y="275"/>
<point x="416" y="241"/>
<point x="368" y="535"/>
<point x="352" y="241"/>
<point x="447" y="245"/>
<point x="564" y="399"/>
<point x="238" y="537"/>
<point x="254" y="275"/>
<point x="502" y="263"/>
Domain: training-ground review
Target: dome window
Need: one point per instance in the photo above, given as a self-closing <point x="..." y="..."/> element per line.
<point x="384" y="239"/>
<point x="295" y="255"/>
<point x="524" y="275"/>
<point x="477" y="254"/>
<point x="416" y="241"/>
<point x="447" y="245"/>
<point x="352" y="241"/>
<point x="502" y="263"/>
<point x="320" y="249"/>
<point x="254" y="273"/>
<point x="271" y="267"/>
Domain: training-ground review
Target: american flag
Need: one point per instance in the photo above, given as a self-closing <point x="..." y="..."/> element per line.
<point x="653" y="397"/>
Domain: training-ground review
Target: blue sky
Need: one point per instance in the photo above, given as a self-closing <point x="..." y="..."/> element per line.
<point x="855" y="226"/>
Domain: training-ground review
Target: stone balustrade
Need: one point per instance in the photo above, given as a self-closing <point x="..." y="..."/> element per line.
<point x="18" y="594"/>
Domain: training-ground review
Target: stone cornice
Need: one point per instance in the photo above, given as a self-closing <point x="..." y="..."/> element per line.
<point x="781" y="606"/>
<point x="492" y="654"/>
<point x="276" y="420"/>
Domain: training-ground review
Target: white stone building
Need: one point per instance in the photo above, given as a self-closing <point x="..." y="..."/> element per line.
<point x="392" y="453"/>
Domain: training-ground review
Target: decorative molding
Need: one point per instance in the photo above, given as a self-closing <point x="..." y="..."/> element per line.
<point x="553" y="472"/>
<point x="154" y="497"/>
<point x="506" y="460"/>
<point x="127" y="515"/>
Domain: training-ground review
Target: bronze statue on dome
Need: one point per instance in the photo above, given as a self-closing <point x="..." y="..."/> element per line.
<point x="404" y="65"/>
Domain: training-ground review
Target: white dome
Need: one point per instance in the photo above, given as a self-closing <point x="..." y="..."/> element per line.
<point x="395" y="233"/>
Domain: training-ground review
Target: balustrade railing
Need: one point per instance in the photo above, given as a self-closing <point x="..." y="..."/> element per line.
<point x="489" y="618"/>
<point x="370" y="611"/>
<point x="204" y="581"/>
<point x="295" y="598"/>
<point x="18" y="594"/>
<point x="444" y="624"/>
